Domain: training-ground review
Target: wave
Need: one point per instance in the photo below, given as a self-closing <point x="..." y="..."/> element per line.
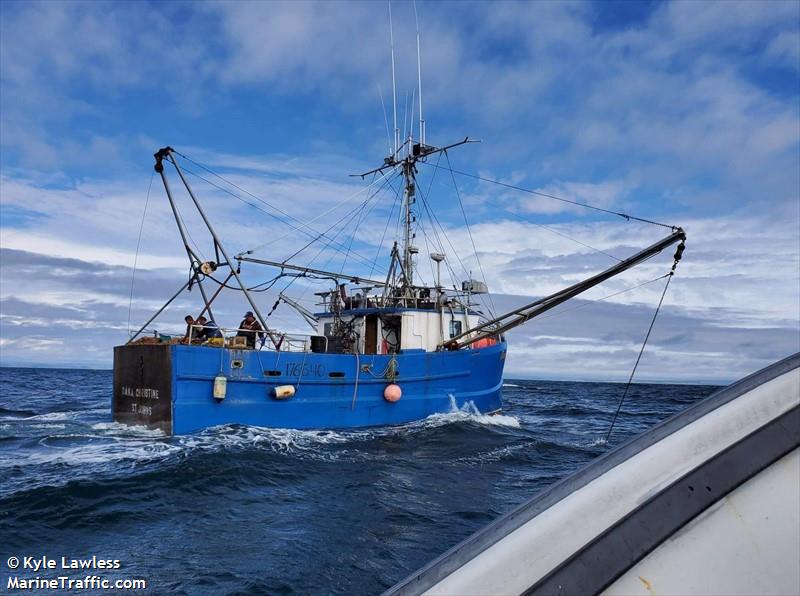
<point x="66" y="415"/>
<point x="12" y="414"/>
<point x="511" y="385"/>
<point x="468" y="413"/>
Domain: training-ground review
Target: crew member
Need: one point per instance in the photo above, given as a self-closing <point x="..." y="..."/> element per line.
<point x="210" y="330"/>
<point x="189" y="331"/>
<point x="250" y="328"/>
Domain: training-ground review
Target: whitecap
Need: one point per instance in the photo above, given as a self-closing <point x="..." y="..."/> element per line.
<point x="126" y="430"/>
<point x="68" y="415"/>
<point x="469" y="413"/>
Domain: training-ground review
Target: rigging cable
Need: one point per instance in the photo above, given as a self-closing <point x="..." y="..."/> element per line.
<point x="549" y="229"/>
<point x="225" y="190"/>
<point x="469" y="231"/>
<point x="233" y="194"/>
<point x="268" y="204"/>
<point x="348" y="216"/>
<point x="562" y="234"/>
<point x="435" y="221"/>
<point x="385" y="229"/>
<point x="436" y="234"/>
<point x="641" y="351"/>
<point x="361" y="218"/>
<point x="589" y="302"/>
<point x="138" y="243"/>
<point x="563" y="200"/>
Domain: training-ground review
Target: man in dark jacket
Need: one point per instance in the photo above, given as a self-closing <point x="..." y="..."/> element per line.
<point x="250" y="328"/>
<point x="209" y="329"/>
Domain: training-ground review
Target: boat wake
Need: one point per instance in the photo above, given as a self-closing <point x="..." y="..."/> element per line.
<point x="61" y="448"/>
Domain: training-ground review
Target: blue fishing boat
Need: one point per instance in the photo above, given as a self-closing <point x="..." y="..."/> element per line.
<point x="392" y="352"/>
<point x="382" y="351"/>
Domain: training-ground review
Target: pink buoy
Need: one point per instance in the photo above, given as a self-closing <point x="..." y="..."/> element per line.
<point x="392" y="393"/>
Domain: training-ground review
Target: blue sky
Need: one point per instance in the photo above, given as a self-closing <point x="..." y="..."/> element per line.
<point x="685" y="112"/>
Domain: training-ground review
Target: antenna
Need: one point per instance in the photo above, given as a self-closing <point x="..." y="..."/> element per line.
<point x="385" y="119"/>
<point x="419" y="80"/>
<point x="411" y="132"/>
<point x="394" y="85"/>
<point x="405" y="120"/>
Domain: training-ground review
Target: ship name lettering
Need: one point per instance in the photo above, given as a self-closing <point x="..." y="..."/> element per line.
<point x="140" y="392"/>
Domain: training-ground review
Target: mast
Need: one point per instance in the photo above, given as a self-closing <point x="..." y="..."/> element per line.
<point x="408" y="237"/>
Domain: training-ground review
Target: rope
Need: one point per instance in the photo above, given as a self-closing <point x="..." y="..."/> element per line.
<point x="302" y="366"/>
<point x="138" y="243"/>
<point x="563" y="200"/>
<point x="355" y="389"/>
<point x="639" y="357"/>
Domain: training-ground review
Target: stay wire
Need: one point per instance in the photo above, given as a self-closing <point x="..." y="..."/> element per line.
<point x="361" y="218"/>
<point x="138" y="244"/>
<point x="322" y="250"/>
<point x="435" y="221"/>
<point x="469" y="231"/>
<point x="246" y="202"/>
<point x="347" y="216"/>
<point x="270" y="205"/>
<point x="639" y="357"/>
<point x="385" y="229"/>
<point x="549" y="229"/>
<point x="562" y="199"/>
<point x="590" y="302"/>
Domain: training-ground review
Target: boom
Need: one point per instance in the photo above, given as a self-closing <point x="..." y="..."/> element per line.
<point x="525" y="313"/>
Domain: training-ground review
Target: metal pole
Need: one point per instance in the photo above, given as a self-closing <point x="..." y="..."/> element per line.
<point x="279" y="265"/>
<point x="160" y="310"/>
<point x="205" y="300"/>
<point x="526" y="313"/>
<point x="189" y="252"/>
<point x="222" y="249"/>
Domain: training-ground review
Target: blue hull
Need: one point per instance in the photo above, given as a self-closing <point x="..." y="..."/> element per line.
<point x="171" y="387"/>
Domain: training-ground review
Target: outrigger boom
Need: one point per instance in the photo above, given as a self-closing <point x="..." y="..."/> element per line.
<point x="525" y="313"/>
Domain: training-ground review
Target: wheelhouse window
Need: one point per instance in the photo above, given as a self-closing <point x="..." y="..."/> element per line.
<point x="455" y="328"/>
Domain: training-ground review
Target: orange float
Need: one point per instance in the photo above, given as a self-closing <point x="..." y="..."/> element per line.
<point x="392" y="393"/>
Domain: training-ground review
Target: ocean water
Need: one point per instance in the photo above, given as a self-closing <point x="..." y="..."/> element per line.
<point x="256" y="511"/>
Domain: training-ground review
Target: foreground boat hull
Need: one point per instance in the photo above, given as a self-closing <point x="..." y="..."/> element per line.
<point x="170" y="387"/>
<point x="704" y="503"/>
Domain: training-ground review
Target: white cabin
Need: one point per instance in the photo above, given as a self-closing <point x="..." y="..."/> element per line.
<point x="384" y="331"/>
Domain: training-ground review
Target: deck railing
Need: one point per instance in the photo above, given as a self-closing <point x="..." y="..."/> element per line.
<point x="288" y="342"/>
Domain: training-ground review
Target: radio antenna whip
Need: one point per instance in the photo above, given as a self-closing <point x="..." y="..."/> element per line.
<point x="385" y="119"/>
<point x="394" y="85"/>
<point x="419" y="80"/>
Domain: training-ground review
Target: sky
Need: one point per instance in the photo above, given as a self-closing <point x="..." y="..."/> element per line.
<point x="686" y="113"/>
